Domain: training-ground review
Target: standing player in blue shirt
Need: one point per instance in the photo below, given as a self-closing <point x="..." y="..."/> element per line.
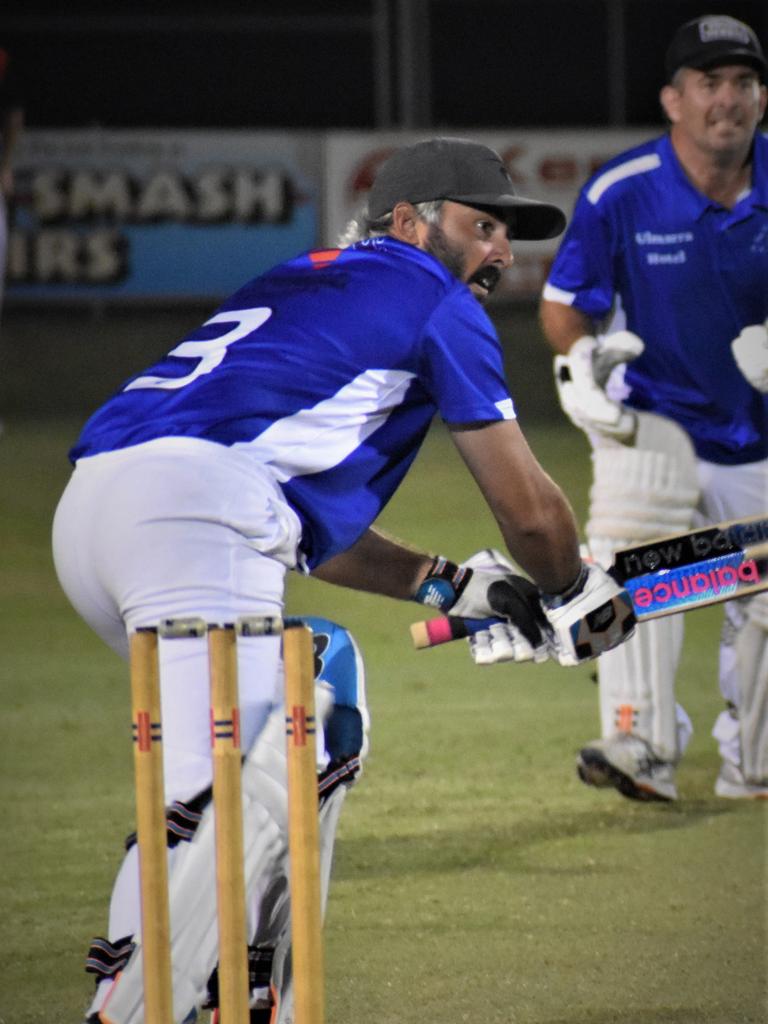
<point x="272" y="437"/>
<point x="664" y="270"/>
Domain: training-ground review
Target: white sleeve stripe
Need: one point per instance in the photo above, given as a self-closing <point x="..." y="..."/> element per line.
<point x="553" y="294"/>
<point x="322" y="436"/>
<point x="639" y="165"/>
<point x="507" y="408"/>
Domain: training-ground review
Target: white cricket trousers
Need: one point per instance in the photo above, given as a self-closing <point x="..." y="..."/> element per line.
<point x="734" y="492"/>
<point x="173" y="528"/>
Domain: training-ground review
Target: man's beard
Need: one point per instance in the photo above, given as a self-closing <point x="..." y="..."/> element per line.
<point x="452" y="257"/>
<point x="449" y="255"/>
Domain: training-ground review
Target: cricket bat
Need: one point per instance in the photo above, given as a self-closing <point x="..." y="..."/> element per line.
<point x="662" y="577"/>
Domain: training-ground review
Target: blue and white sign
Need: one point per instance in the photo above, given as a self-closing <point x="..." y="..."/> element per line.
<point x="158" y="214"/>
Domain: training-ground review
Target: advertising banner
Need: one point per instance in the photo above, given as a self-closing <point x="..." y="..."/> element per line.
<point x="158" y="214"/>
<point x="154" y="214"/>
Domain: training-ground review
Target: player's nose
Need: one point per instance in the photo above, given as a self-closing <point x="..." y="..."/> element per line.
<point x="502" y="250"/>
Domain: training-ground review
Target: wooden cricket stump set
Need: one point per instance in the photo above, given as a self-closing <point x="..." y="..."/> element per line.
<point x="307" y="951"/>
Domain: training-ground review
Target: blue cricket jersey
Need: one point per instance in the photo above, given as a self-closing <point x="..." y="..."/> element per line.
<point x="646" y="250"/>
<point x="327" y="370"/>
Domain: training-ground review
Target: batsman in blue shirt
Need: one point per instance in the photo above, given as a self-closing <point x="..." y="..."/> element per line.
<point x="656" y="305"/>
<point x="269" y="440"/>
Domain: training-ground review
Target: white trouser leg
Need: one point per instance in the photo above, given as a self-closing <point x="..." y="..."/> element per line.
<point x="142" y="535"/>
<point x="187" y="762"/>
<point x="741" y="731"/>
<point x="194" y="938"/>
<point x="753" y="711"/>
<point x="274" y="929"/>
<point x="637" y="690"/>
<point x="640" y="493"/>
<point x="148" y="535"/>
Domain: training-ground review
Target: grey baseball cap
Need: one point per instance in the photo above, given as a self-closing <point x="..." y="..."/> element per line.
<point x="465" y="172"/>
<point x="712" y="40"/>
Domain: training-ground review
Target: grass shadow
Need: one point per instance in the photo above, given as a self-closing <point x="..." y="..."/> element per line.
<point x="510" y="846"/>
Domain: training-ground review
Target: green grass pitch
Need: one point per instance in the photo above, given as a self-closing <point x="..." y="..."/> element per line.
<point x="475" y="878"/>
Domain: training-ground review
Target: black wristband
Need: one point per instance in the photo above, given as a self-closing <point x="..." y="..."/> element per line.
<point x="571" y="591"/>
<point x="443" y="584"/>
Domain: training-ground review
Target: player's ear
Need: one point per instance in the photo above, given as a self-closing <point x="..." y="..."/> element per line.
<point x="669" y="97"/>
<point x="405" y="223"/>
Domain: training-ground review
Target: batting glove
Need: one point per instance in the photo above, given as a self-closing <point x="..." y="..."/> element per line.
<point x="581" y="376"/>
<point x="485" y="586"/>
<point x="505" y="642"/>
<point x="592" y="616"/>
<point x="750" y="350"/>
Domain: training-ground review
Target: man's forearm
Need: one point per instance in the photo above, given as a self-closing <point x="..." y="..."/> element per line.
<point x="379" y="565"/>
<point x="533" y="514"/>
<point x="561" y="325"/>
<point x="547" y="547"/>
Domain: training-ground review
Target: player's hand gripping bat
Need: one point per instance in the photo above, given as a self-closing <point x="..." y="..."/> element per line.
<point x="664" y="576"/>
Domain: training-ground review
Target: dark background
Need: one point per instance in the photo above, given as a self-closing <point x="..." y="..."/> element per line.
<point x="349" y="63"/>
<point x="294" y="64"/>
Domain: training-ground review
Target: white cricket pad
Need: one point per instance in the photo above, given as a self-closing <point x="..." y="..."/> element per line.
<point x="637" y="689"/>
<point x="274" y="927"/>
<point x="194" y="926"/>
<point x="640" y="493"/>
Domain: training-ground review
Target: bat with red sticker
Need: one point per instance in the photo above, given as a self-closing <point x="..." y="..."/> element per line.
<point x="665" y="576"/>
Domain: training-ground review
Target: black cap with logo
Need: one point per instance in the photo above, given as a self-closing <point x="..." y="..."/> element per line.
<point x="712" y="40"/>
<point x="465" y="172"/>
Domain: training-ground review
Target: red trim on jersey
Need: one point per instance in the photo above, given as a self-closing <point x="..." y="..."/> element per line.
<point x="322" y="257"/>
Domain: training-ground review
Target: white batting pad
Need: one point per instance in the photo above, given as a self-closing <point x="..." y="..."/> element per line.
<point x="274" y="928"/>
<point x="194" y="927"/>
<point x="637" y="688"/>
<point x="639" y="493"/>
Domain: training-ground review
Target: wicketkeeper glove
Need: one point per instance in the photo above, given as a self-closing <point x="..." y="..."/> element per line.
<point x="592" y="616"/>
<point x="485" y="586"/>
<point x="750" y="350"/>
<point x="581" y="377"/>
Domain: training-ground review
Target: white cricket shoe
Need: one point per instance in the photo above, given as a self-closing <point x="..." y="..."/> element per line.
<point x="628" y="764"/>
<point x="732" y="784"/>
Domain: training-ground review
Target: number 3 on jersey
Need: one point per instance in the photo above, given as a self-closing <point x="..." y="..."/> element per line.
<point x="210" y="353"/>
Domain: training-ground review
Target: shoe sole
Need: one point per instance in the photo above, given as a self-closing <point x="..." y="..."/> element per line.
<point x="732" y="792"/>
<point x="595" y="770"/>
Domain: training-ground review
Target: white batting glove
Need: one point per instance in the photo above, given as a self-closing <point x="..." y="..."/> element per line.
<point x="488" y="566"/>
<point x="750" y="350"/>
<point x="463" y="589"/>
<point x="487" y="586"/>
<point x="581" y="376"/>
<point x="594" y="615"/>
<point x="505" y="642"/>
